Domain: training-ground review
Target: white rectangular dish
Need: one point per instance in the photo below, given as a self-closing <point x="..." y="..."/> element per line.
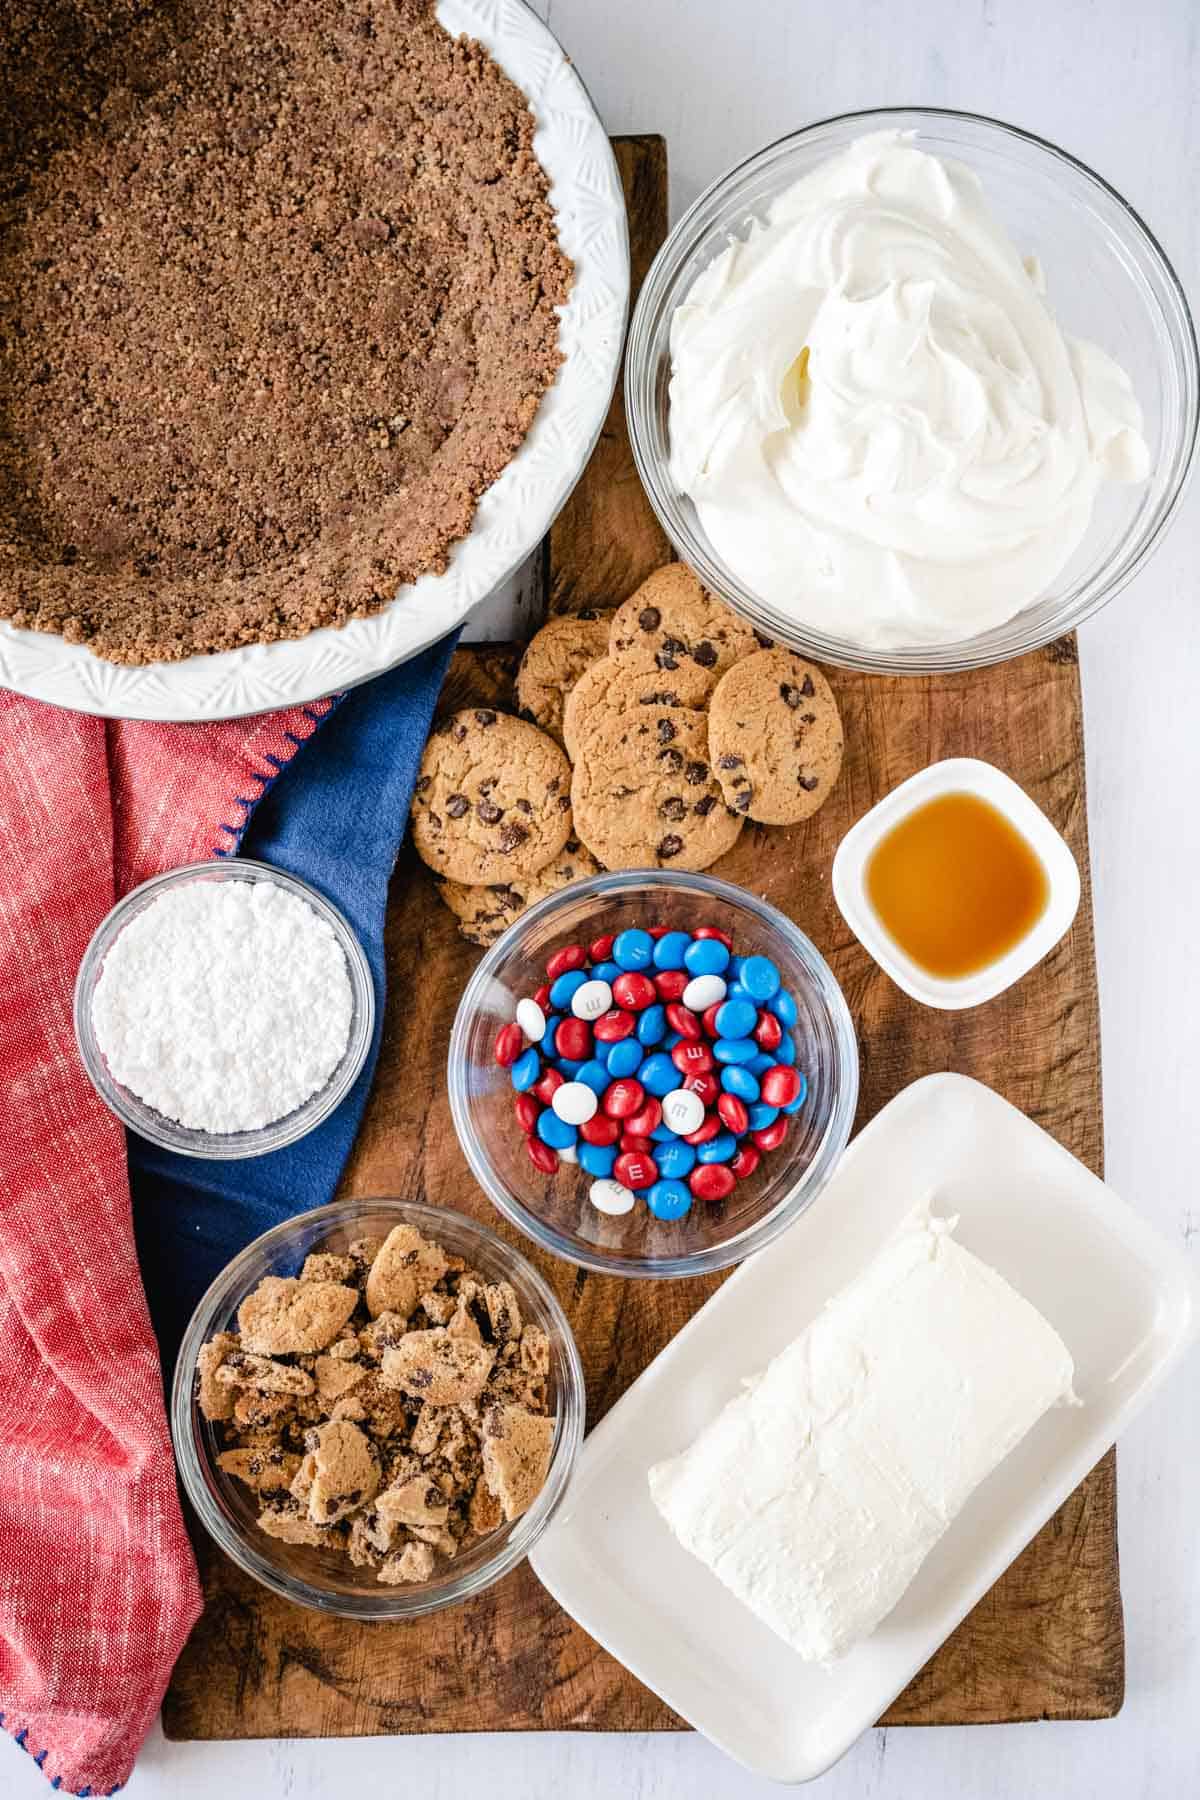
<point x="1124" y="1301"/>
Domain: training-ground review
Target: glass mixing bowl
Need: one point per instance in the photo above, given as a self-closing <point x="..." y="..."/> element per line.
<point x="555" y="1211"/>
<point x="1107" y="279"/>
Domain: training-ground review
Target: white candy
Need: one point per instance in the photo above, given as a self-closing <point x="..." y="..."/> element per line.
<point x="532" y="1020"/>
<point x="568" y="1153"/>
<point x="610" y="1196"/>
<point x="592" y="999"/>
<point x="574" y="1102"/>
<point x="682" y="1110"/>
<point x="703" y="991"/>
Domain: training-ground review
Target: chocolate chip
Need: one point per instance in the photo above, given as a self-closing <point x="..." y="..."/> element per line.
<point x="435" y="820"/>
<point x="650" y="618"/>
<point x="662" y="698"/>
<point x="588" y="612"/>
<point x="508" y="898"/>
<point x="673" y="760"/>
<point x="423" y="783"/>
<point x="553" y="785"/>
<point x="697" y="773"/>
<point x="808" y="782"/>
<point x="485" y="718"/>
<point x="485" y="787"/>
<point x="459" y="733"/>
<point x="741" y="802"/>
<point x="704" y="806"/>
<point x="670" y="846"/>
<point x="704" y="654"/>
<point x="666" y="731"/>
<point x="524" y="806"/>
<point x="808" y="718"/>
<point x="673" y="808"/>
<point x="807" y="688"/>
<point x="789" y="695"/>
<point x="764" y="643"/>
<point x="489" y="813"/>
<point x="730" y="762"/>
<point x="666" y="660"/>
<point x="457" y="805"/>
<point x="512" y="836"/>
<point x="564" y="803"/>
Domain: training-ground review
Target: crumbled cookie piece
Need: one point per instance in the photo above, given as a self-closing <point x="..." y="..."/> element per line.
<point x="294" y="1527"/>
<point x="416" y="1562"/>
<point x="215" y="1400"/>
<point x="323" y="1265"/>
<point x="336" y="1376"/>
<point x="345" y="1471"/>
<point x="404" y="1267"/>
<point x="503" y="1310"/>
<point x="417" y="1501"/>
<point x="242" y="1369"/>
<point x="384" y="1333"/>
<point x="516" y="1456"/>
<point x="252" y="1410"/>
<point x="266" y="1471"/>
<point x="484" y="1513"/>
<point x="439" y="1309"/>
<point x="432" y="1365"/>
<point x="282" y="1316"/>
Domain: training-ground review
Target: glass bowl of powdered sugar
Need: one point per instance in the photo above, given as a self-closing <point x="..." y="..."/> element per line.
<point x="224" y="1009"/>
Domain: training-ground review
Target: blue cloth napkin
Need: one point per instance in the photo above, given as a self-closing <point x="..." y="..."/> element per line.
<point x="335" y="817"/>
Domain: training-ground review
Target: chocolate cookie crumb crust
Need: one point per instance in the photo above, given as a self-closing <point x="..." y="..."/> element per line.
<point x="277" y="304"/>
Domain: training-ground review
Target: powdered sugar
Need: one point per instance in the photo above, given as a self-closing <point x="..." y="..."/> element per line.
<point x="224" y="1004"/>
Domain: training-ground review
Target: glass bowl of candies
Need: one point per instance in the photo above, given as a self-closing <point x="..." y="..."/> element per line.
<point x="653" y="1074"/>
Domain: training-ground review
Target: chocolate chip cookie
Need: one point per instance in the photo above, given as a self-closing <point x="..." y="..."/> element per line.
<point x="674" y="626"/>
<point x="609" y="690"/>
<point x="492" y="800"/>
<point x="483" y="913"/>
<point x="775" y="737"/>
<point x="644" y="794"/>
<point x="554" y="661"/>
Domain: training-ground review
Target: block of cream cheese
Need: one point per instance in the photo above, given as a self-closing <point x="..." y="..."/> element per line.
<point x="817" y="1494"/>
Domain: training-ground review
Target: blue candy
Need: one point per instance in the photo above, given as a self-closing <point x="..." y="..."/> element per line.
<point x="565" y="989"/>
<point x="718" y="1149"/>
<point x="652" y="1025"/>
<point x="555" y="1131"/>
<point x="736" y="1018"/>
<point x="668" y="1200"/>
<point x="593" y="1074"/>
<point x="761" y="1063"/>
<point x="567" y="1068"/>
<point x="786" y="1052"/>
<point x="662" y="1134"/>
<point x="735" y="1050"/>
<point x="760" y="976"/>
<point x="674" y="1160"/>
<point x="633" y="949"/>
<point x="736" y="965"/>
<point x="553" y="1021"/>
<point x="706" y="956"/>
<point x="624" y="1057"/>
<point x="738" y="1080"/>
<point x="526" y="1070"/>
<point x="658" y="1074"/>
<point x="795" y="1105"/>
<point x="735" y="991"/>
<point x="606" y="971"/>
<point x="672" y="1038"/>
<point x="597" y="1159"/>
<point x="784" y="1008"/>
<point x="762" y="1115"/>
<point x="671" y="949"/>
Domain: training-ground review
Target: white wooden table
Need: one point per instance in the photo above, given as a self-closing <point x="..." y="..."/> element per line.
<point x="1118" y="84"/>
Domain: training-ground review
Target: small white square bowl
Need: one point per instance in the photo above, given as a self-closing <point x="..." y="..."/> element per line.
<point x="957" y="775"/>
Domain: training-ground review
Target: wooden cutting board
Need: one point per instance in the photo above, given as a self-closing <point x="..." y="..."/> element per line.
<point x="1047" y="1642"/>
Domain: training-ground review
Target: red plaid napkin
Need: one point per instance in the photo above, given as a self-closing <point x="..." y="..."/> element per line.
<point x="98" y="1587"/>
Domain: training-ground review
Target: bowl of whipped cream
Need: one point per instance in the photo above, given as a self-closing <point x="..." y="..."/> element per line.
<point x="913" y="389"/>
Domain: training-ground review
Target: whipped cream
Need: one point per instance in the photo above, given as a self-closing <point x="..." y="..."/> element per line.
<point x="816" y="1495"/>
<point x="931" y="464"/>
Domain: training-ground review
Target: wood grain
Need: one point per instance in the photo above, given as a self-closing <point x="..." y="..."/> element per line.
<point x="1047" y="1641"/>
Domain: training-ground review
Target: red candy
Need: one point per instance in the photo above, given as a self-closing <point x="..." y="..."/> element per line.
<point x="647" y="1120"/>
<point x="703" y="1134"/>
<point x="573" y="1040"/>
<point x="771" y="1136"/>
<point x="510" y="1041"/>
<point x="692" y="1058"/>
<point x="599" y="1130"/>
<point x="683" y="1020"/>
<point x="542" y="996"/>
<point x="527" y="1110"/>
<point x="733" y="1114"/>
<point x="635" y="1169"/>
<point x="548" y="1085"/>
<point x="710" y="931"/>
<point x="633" y="1140"/>
<point x="710" y="1019"/>
<point x="657" y="931"/>
<point x="670" y="984"/>
<point x="571" y="956"/>
<point x="634" y="991"/>
<point x="612" y="1026"/>
<point x="600" y="949"/>
<point x="705" y="1084"/>
<point x="541" y="1155"/>
<point x="623" y="1098"/>
<point x="712" y="1181"/>
<point x="745" y="1161"/>
<point x="780" y="1085"/>
<point x="768" y="1033"/>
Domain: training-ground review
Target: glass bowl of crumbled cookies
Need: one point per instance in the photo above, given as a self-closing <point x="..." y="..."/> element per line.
<point x="377" y="1408"/>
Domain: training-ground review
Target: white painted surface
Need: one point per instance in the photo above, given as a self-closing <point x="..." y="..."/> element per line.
<point x="1120" y="86"/>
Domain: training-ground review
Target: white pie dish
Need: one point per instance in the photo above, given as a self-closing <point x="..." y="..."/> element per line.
<point x="1052" y="1229"/>
<point x="956" y="775"/>
<point x="513" y="515"/>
